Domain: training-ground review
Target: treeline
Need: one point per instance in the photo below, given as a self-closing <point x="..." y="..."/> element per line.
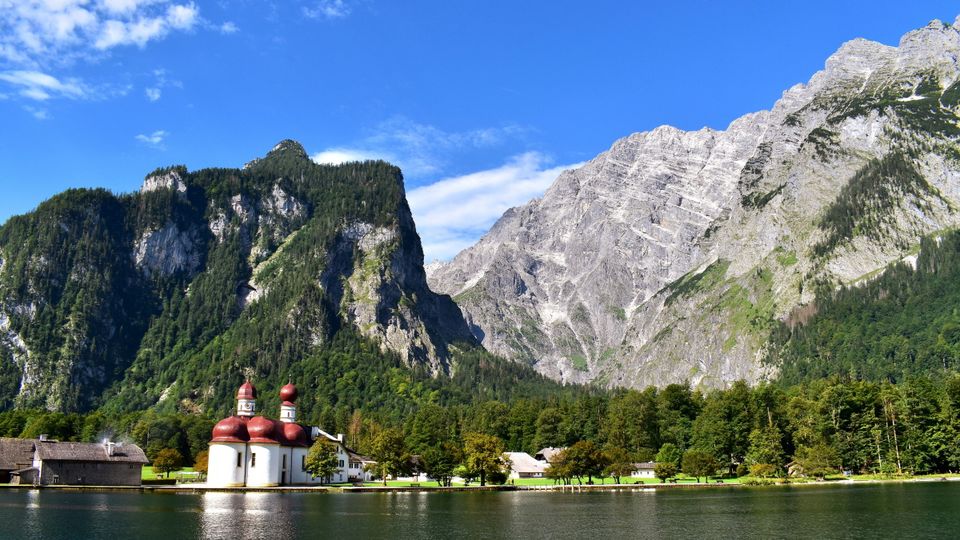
<point x="830" y="425"/>
<point x="903" y="323"/>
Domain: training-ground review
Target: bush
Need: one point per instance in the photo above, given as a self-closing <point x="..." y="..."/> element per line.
<point x="497" y="477"/>
<point x="761" y="470"/>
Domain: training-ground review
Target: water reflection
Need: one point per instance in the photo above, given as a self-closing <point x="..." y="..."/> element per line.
<point x="915" y="510"/>
<point x="247" y="515"/>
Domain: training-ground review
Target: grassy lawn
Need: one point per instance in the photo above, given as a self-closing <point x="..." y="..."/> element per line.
<point x="681" y="479"/>
<point x="542" y="482"/>
<point x="147" y="473"/>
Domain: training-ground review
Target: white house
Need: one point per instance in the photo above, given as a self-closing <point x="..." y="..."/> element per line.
<point x="255" y="451"/>
<point x="522" y="465"/>
<point x="643" y="470"/>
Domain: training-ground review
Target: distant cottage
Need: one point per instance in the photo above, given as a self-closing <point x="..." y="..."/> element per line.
<point x="255" y="451"/>
<point x="523" y="465"/>
<point x="46" y="462"/>
<point x="643" y="469"/>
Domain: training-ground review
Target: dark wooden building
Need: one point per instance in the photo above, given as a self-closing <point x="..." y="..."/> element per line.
<point x="44" y="462"/>
<point x="101" y="464"/>
<point x="15" y="455"/>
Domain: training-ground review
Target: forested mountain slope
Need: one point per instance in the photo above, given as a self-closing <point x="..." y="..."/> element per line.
<point x="172" y="295"/>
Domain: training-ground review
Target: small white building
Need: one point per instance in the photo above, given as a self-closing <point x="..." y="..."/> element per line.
<point x="255" y="451"/>
<point x="643" y="470"/>
<point x="523" y="465"/>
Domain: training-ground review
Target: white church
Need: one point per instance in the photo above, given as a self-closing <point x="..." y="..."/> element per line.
<point x="255" y="451"/>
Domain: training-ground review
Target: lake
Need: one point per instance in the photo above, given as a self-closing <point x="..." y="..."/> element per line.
<point x="910" y="510"/>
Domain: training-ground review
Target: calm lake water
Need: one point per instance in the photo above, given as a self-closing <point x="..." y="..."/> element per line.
<point x="918" y="510"/>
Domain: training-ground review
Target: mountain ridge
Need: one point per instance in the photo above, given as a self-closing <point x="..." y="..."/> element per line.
<point x="672" y="255"/>
<point x="167" y="296"/>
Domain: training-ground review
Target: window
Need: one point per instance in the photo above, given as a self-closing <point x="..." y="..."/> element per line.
<point x="253" y="459"/>
<point x="303" y="463"/>
<point x="341" y="463"/>
<point x="239" y="459"/>
<point x="283" y="461"/>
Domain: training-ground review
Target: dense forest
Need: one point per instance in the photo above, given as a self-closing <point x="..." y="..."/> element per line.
<point x="901" y="323"/>
<point x="908" y="428"/>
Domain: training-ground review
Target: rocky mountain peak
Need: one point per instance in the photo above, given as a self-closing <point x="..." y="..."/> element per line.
<point x="671" y="256"/>
<point x="285" y="153"/>
<point x="289" y="147"/>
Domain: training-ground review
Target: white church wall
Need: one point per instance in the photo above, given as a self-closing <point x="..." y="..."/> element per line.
<point x="263" y="465"/>
<point x="222" y="469"/>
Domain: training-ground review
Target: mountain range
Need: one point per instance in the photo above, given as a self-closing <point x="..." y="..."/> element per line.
<point x="676" y="255"/>
<point x="776" y="248"/>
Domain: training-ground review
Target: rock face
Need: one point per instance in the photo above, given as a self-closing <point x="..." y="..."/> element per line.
<point x="670" y="256"/>
<point x="158" y="296"/>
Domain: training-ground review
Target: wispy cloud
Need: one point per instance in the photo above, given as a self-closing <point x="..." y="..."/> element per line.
<point x="37" y="112"/>
<point x="421" y="150"/>
<point x="44" y="36"/>
<point x="453" y="213"/>
<point x="154" y="139"/>
<point x="43" y="32"/>
<point x="229" y="27"/>
<point x="161" y="80"/>
<point x="40" y="86"/>
<point x="327" y="9"/>
<point x="139" y="31"/>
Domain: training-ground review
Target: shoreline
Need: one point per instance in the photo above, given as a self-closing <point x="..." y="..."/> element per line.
<point x="201" y="488"/>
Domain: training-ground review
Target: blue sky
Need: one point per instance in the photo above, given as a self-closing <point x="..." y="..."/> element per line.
<point x="480" y="103"/>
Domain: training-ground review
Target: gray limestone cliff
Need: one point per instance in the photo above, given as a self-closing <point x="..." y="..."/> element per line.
<point x="154" y="298"/>
<point x="670" y="256"/>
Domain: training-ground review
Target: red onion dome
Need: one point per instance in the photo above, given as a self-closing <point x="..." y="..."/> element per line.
<point x="247" y="391"/>
<point x="293" y="434"/>
<point x="288" y="393"/>
<point x="230" y="429"/>
<point x="261" y="430"/>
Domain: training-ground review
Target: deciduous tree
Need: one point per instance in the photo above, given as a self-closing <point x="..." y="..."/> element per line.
<point x="322" y="459"/>
<point x="484" y="455"/>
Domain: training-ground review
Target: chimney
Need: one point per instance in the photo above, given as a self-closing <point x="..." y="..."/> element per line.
<point x="43" y="437"/>
<point x="109" y="446"/>
<point x="340" y="437"/>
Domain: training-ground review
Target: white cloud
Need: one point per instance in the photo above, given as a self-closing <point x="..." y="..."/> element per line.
<point x="453" y="213"/>
<point x="421" y="150"/>
<point x="336" y="156"/>
<point x="40" y="86"/>
<point x="38" y="33"/>
<point x="154" y="139"/>
<point x="121" y="7"/>
<point x="229" y="28"/>
<point x="36" y="112"/>
<point x="183" y="17"/>
<point x="161" y="80"/>
<point x="327" y="9"/>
